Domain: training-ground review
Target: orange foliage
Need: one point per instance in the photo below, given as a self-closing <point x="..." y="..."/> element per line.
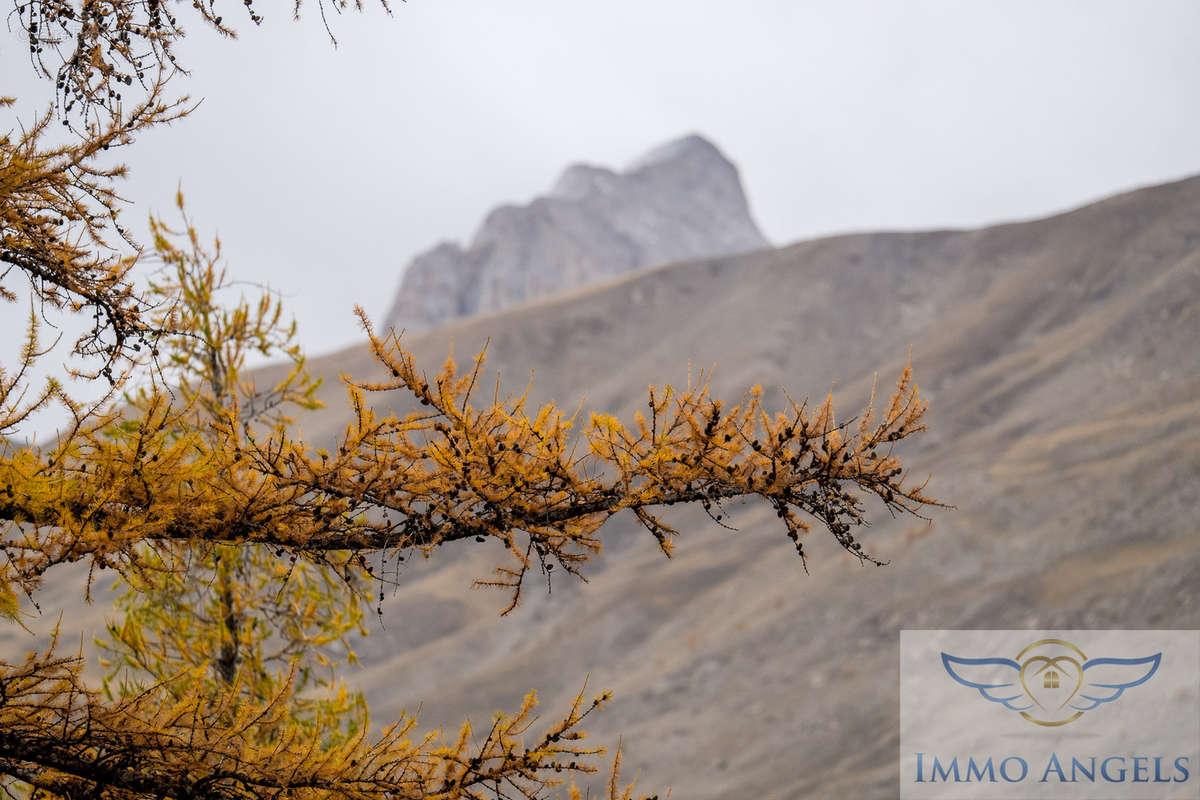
<point x="186" y="467"/>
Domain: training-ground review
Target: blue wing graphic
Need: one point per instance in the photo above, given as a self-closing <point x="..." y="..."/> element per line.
<point x="995" y="678"/>
<point x="1106" y="679"/>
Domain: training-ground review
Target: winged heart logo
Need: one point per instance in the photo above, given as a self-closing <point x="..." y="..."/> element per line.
<point x="1051" y="682"/>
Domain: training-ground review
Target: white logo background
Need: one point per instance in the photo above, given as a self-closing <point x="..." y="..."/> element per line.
<point x="942" y="719"/>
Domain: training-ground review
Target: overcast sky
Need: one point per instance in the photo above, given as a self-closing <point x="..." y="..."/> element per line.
<point x="325" y="170"/>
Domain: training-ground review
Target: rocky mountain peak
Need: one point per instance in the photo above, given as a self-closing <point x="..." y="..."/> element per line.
<point x="580" y="181"/>
<point x="681" y="200"/>
<point x="689" y="149"/>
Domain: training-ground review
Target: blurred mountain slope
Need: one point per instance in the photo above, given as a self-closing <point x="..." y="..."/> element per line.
<point x="1061" y="361"/>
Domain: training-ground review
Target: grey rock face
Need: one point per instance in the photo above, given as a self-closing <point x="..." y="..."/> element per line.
<point x="682" y="200"/>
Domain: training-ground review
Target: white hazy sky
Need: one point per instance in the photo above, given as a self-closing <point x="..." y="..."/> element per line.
<point x="325" y="170"/>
